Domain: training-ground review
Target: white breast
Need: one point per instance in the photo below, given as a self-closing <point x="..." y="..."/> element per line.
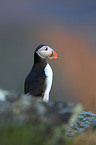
<point x="49" y="75"/>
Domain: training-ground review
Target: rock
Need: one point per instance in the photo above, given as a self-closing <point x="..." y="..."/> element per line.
<point x="33" y="122"/>
<point x="85" y="121"/>
<point x="28" y="120"/>
<point x="25" y="107"/>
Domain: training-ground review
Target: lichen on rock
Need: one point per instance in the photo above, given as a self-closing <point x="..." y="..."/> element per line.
<point x="30" y="121"/>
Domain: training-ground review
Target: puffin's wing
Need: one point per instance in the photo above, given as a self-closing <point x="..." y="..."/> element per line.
<point x="35" y="86"/>
<point x="26" y="87"/>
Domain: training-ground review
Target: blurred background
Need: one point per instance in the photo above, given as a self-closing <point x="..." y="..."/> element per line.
<point x="69" y="27"/>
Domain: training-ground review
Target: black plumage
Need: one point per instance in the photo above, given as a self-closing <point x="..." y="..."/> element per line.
<point x="35" y="82"/>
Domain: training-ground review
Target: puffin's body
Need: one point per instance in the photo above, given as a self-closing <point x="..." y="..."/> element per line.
<point x="39" y="80"/>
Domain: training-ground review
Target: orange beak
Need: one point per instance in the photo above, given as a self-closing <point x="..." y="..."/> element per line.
<point x="53" y="55"/>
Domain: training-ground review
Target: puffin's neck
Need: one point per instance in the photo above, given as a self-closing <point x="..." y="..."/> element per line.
<point x="38" y="59"/>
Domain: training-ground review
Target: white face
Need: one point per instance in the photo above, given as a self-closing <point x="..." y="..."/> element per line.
<point x="44" y="51"/>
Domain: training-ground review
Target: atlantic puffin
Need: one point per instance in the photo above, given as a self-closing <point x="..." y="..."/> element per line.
<point x="39" y="80"/>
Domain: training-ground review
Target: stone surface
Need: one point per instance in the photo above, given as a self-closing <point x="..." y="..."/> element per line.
<point x="85" y="120"/>
<point x="27" y="120"/>
<point x="25" y="107"/>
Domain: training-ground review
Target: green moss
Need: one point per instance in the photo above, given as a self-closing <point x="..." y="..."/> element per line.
<point x="39" y="133"/>
<point x="28" y="134"/>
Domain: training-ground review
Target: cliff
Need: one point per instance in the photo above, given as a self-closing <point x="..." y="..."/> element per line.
<point x="30" y="121"/>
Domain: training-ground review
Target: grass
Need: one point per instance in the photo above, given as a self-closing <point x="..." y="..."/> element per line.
<point x="42" y="134"/>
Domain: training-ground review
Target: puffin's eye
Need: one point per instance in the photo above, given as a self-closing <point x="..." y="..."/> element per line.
<point x="46" y="48"/>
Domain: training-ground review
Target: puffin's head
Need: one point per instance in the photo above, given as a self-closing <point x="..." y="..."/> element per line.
<point x="45" y="51"/>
